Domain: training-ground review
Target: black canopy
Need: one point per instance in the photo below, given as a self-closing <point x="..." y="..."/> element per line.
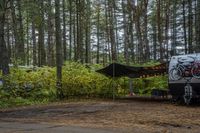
<point x="119" y="70"/>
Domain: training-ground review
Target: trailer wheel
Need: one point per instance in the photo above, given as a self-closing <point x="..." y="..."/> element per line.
<point x="188" y="94"/>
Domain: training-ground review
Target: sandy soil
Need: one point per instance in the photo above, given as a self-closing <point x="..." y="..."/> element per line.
<point x="122" y="115"/>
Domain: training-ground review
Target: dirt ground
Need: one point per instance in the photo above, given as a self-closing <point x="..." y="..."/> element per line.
<point x="121" y="115"/>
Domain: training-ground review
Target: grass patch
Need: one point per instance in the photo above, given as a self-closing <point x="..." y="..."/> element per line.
<point x="16" y="102"/>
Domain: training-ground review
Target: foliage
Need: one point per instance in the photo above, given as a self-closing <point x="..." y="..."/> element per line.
<point x="146" y="85"/>
<point x="80" y="80"/>
<point x="26" y="85"/>
<point x="30" y="84"/>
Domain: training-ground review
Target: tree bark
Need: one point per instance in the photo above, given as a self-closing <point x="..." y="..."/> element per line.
<point x="18" y="32"/>
<point x="98" y="32"/>
<point x="131" y="8"/>
<point x="21" y="47"/>
<point x="111" y="31"/>
<point x="88" y="33"/>
<point x="4" y="59"/>
<point x="107" y="31"/>
<point x="34" y="43"/>
<point x="64" y="32"/>
<point x="41" y="47"/>
<point x="174" y="26"/>
<point x="50" y="39"/>
<point x="190" y="27"/>
<point x="167" y="14"/>
<point x="139" y="35"/>
<point x="159" y="22"/>
<point x="154" y="41"/>
<point x="126" y="36"/>
<point x="198" y="26"/>
<point x="59" y="58"/>
<point x="184" y="27"/>
<point x="8" y="41"/>
<point x="70" y="30"/>
<point x="27" y="41"/>
<point x="145" y="33"/>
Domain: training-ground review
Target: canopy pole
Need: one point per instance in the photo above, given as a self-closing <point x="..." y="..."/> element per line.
<point x="131" y="86"/>
<point x="113" y="86"/>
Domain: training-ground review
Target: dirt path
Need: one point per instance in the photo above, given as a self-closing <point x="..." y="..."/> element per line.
<point x="121" y="116"/>
<point x="18" y="127"/>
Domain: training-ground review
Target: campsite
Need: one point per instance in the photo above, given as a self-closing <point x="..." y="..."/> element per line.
<point x="94" y="110"/>
<point x="100" y="66"/>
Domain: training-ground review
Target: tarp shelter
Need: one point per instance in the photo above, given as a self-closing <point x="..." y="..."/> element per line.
<point x="115" y="70"/>
<point x="119" y="70"/>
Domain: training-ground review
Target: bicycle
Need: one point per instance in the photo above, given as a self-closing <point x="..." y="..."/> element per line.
<point x="185" y="68"/>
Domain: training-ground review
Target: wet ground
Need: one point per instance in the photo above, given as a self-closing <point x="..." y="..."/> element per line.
<point x="120" y="116"/>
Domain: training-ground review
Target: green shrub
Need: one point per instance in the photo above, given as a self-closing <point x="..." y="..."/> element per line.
<point x="32" y="84"/>
<point x="77" y="81"/>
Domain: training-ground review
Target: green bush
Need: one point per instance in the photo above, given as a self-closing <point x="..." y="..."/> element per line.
<point x="32" y="84"/>
<point x="77" y="81"/>
<point x="146" y="85"/>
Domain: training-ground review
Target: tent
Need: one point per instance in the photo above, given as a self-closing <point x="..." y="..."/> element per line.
<point x="119" y="70"/>
<point x="115" y="70"/>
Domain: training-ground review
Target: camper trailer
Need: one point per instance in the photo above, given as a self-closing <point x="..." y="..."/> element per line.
<point x="184" y="77"/>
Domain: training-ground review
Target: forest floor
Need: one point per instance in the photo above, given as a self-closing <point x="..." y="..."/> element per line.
<point x="121" y="116"/>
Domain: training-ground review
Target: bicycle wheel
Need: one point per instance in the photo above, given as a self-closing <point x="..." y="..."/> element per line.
<point x="175" y="74"/>
<point x="196" y="71"/>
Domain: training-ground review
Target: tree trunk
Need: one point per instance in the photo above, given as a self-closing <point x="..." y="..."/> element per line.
<point x="88" y="33"/>
<point x="27" y="41"/>
<point x="111" y="31"/>
<point x="174" y="26"/>
<point x="167" y="13"/>
<point x="79" y="26"/>
<point x="190" y="27"/>
<point x="8" y="41"/>
<point x="59" y="58"/>
<point x="107" y="31"/>
<point x="145" y="34"/>
<point x="41" y="47"/>
<point x="98" y="33"/>
<point x="50" y="40"/>
<point x="75" y="32"/>
<point x="64" y="32"/>
<point x="34" y="43"/>
<point x="21" y="48"/>
<point x="131" y="8"/>
<point x="154" y="40"/>
<point x="116" y="27"/>
<point x="70" y="30"/>
<point x="132" y="45"/>
<point x="184" y="27"/>
<point x="18" y="31"/>
<point x="139" y="35"/>
<point x="159" y="21"/>
<point x="4" y="60"/>
<point x="198" y="26"/>
<point x="126" y="35"/>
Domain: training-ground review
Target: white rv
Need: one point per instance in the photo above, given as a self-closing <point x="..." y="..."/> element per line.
<point x="184" y="77"/>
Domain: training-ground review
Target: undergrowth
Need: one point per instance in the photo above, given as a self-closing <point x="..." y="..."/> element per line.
<point x="28" y="86"/>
